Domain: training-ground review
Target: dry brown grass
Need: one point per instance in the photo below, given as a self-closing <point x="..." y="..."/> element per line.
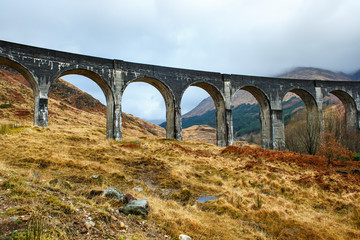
<point x="261" y="194"/>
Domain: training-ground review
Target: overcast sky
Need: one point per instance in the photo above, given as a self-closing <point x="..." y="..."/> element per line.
<point x="255" y="37"/>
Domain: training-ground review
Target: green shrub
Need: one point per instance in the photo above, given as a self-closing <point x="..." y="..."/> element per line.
<point x="356" y="157"/>
<point x="6" y="105"/>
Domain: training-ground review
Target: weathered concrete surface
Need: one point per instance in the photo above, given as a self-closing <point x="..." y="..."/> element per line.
<point x="41" y="67"/>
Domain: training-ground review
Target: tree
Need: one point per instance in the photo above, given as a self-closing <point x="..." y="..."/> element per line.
<point x="332" y="149"/>
<point x="302" y="134"/>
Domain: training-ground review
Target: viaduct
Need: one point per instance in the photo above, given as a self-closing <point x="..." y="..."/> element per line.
<point x="41" y="67"/>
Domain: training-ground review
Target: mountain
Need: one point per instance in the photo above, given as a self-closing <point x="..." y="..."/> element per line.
<point x="246" y="110"/>
<point x="356" y="76"/>
<point x="207" y="104"/>
<point x="316" y="73"/>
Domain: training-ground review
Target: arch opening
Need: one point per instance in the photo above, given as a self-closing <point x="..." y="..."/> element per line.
<point x="198" y="115"/>
<point x="219" y="102"/>
<point x="251" y="116"/>
<point x="152" y="101"/>
<point x="23" y="71"/>
<point x="340" y="119"/>
<point x="78" y="92"/>
<point x="19" y="94"/>
<point x="302" y="120"/>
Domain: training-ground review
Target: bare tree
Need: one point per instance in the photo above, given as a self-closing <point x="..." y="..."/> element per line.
<point x="302" y="133"/>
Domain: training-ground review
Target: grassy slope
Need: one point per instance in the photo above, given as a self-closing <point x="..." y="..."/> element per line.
<point x="261" y="194"/>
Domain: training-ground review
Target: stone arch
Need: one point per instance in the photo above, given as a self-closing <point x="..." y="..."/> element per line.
<point x="31" y="80"/>
<point x="350" y="109"/>
<point x="265" y="114"/>
<point x="313" y="118"/>
<point x="106" y="90"/>
<point x="168" y="97"/>
<point x="219" y="101"/>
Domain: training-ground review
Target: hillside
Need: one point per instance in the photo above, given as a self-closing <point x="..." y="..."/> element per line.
<point x="52" y="181"/>
<point x="245" y="107"/>
<point x="240" y="97"/>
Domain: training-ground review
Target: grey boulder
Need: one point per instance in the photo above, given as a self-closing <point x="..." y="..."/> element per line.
<point x="136" y="207"/>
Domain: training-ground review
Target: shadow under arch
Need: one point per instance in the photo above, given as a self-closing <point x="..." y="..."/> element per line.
<point x="169" y="100"/>
<point x="313" y="119"/>
<point x="29" y="78"/>
<point x="109" y="96"/>
<point x="265" y="114"/>
<point x="217" y="97"/>
<point x="350" y="109"/>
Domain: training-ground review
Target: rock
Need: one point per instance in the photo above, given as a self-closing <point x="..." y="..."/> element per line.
<point x="138" y="189"/>
<point x="97" y="178"/>
<point x="14" y="219"/>
<point x="129" y="197"/>
<point x="206" y="199"/>
<point x="37" y="176"/>
<point x="122" y="225"/>
<point x="89" y="224"/>
<point x="113" y="193"/>
<point x="184" y="237"/>
<point x="136" y="207"/>
<point x="25" y="218"/>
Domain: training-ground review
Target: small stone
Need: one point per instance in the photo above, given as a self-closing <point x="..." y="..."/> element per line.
<point x="138" y="189"/>
<point x="89" y="224"/>
<point x="206" y="199"/>
<point x="113" y="193"/>
<point x="122" y="225"/>
<point x="136" y="207"/>
<point x="129" y="197"/>
<point x="184" y="237"/>
<point x="97" y="178"/>
<point x="37" y="176"/>
<point x="25" y="218"/>
<point x="14" y="219"/>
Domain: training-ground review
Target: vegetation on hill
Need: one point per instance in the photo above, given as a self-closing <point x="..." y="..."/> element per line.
<point x="50" y="181"/>
<point x="245" y="117"/>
